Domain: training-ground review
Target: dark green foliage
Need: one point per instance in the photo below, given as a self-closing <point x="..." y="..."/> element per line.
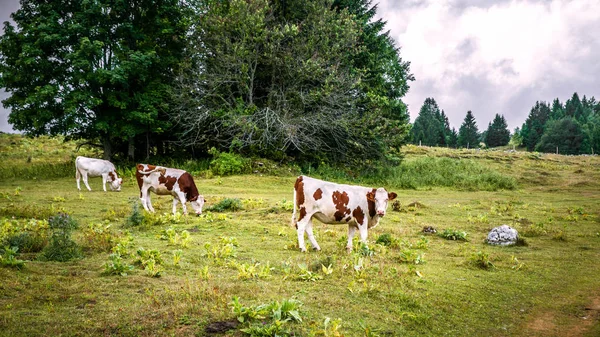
<point x="453" y="234"/>
<point x="8" y="258"/>
<point x="430" y="126"/>
<point x="293" y="79"/>
<point x="565" y="134"/>
<point x="497" y="133"/>
<point x="468" y="134"/>
<point x="385" y="239"/>
<point x="225" y="163"/>
<point x="97" y="70"/>
<point x="227" y="204"/>
<point x="533" y="129"/>
<point x="61" y="248"/>
<point x="136" y="218"/>
<point x="26" y="242"/>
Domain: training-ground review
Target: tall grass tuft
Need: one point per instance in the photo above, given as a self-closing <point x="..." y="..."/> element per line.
<point x="61" y="248"/>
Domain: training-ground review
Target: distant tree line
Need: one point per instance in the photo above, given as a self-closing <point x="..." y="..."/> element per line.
<point x="315" y="81"/>
<point x="570" y="128"/>
<point x="431" y="128"/>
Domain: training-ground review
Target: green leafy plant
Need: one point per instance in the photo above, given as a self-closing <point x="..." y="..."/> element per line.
<point x="8" y="258"/>
<point x="99" y="237"/>
<point x="116" y="265"/>
<point x="177" y="254"/>
<point x="224" y="164"/>
<point x="136" y="218"/>
<point x="453" y="234"/>
<point x="61" y="247"/>
<point x="482" y="260"/>
<point x="227" y="204"/>
<point x="267" y="319"/>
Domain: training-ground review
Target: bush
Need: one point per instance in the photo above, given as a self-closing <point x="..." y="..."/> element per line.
<point x="453" y="234"/>
<point x="227" y="204"/>
<point x="61" y="247"/>
<point x="136" y="217"/>
<point x="225" y="164"/>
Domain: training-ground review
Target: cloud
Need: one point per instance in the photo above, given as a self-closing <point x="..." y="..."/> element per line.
<point x="496" y="56"/>
<point x="6" y="8"/>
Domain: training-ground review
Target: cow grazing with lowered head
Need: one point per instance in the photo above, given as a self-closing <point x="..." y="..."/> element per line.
<point x="359" y="207"/>
<point x="92" y="167"/>
<point x="168" y="181"/>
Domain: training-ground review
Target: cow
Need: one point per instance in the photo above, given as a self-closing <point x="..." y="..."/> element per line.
<point x="359" y="207"/>
<point x="168" y="181"/>
<point x="92" y="167"/>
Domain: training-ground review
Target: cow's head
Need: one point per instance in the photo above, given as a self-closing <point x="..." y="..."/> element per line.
<point x="378" y="199"/>
<point x="115" y="183"/>
<point x="197" y="204"/>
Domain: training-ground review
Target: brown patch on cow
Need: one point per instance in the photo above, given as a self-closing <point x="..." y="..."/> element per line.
<point x="359" y="215"/>
<point x="138" y="175"/>
<point x="112" y="175"/>
<point x="299" y="187"/>
<point x="348" y="219"/>
<point x="371" y="202"/>
<point x="168" y="181"/>
<point x="187" y="186"/>
<point x="392" y="195"/>
<point x="302" y="213"/>
<point x="318" y="194"/>
<point x="340" y="200"/>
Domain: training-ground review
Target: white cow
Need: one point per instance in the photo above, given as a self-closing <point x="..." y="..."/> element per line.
<point x="168" y="181"/>
<point x="359" y="207"/>
<point x="92" y="167"/>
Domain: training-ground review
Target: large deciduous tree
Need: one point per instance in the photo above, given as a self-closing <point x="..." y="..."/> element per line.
<point x="564" y="135"/>
<point x="281" y="78"/>
<point x="468" y="134"/>
<point x="97" y="70"/>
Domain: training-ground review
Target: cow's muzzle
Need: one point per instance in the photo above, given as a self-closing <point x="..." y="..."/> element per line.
<point x="380" y="213"/>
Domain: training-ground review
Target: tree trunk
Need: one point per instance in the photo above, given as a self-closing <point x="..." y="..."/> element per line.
<point x="107" y="148"/>
<point x="131" y="149"/>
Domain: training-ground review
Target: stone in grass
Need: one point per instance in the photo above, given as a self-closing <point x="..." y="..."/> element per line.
<point x="503" y="236"/>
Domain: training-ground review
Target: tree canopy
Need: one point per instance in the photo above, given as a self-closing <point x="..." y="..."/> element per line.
<point x="497" y="133"/>
<point x="468" y="134"/>
<point x="96" y="70"/>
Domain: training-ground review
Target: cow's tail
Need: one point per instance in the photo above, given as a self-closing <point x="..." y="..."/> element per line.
<point x="294" y="222"/>
<point x="77" y="173"/>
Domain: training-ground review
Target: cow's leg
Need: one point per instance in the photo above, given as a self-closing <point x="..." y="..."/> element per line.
<point x="363" y="231"/>
<point x="85" y="180"/>
<point x="351" y="232"/>
<point x="181" y="197"/>
<point x="311" y="237"/>
<point x="302" y="224"/>
<point x="145" y="198"/>
<point x="78" y="178"/>
<point x="104" y="179"/>
<point x="175" y="201"/>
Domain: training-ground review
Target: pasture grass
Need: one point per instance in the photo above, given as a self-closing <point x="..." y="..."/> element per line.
<point x="413" y="284"/>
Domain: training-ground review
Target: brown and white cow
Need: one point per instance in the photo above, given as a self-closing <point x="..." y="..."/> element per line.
<point x="168" y="181"/>
<point x="92" y="167"/>
<point x="359" y="207"/>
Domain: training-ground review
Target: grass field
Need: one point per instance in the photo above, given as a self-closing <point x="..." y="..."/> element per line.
<point x="213" y="271"/>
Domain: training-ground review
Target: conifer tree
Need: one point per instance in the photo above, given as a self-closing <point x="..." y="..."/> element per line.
<point x="468" y="134"/>
<point x="497" y="133"/>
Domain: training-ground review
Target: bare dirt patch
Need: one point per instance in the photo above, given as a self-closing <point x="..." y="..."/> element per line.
<point x="544" y="324"/>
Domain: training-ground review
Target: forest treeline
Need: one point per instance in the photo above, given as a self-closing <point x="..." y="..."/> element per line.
<point x="311" y="81"/>
<point x="569" y="128"/>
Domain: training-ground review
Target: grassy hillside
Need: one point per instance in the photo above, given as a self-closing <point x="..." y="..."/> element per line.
<point x="208" y="273"/>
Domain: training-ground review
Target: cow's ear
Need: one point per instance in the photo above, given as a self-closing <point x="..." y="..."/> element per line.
<point x="392" y="195"/>
<point x="371" y="196"/>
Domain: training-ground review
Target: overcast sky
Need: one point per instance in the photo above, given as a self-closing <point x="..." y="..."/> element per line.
<point x="490" y="57"/>
<point x="496" y="57"/>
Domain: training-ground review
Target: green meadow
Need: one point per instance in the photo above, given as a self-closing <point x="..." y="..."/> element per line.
<point x="237" y="271"/>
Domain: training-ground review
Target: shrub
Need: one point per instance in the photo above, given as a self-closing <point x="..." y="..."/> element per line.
<point x="225" y="164"/>
<point x="116" y="266"/>
<point x="61" y="248"/>
<point x="453" y="234"/>
<point x="8" y="258"/>
<point x="99" y="237"/>
<point x="482" y="260"/>
<point x="26" y="242"/>
<point x="136" y="217"/>
<point x="227" y="204"/>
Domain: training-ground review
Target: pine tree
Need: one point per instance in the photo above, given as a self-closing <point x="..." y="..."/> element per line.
<point x="468" y="134"/>
<point x="497" y="133"/>
<point x="533" y="128"/>
<point x="428" y="128"/>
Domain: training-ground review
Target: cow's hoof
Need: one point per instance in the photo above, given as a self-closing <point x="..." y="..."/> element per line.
<point x="317" y="249"/>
